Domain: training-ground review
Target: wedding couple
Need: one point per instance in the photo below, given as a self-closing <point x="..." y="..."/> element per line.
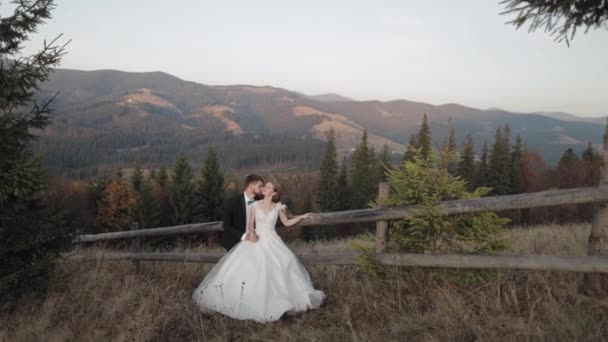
<point x="259" y="278"/>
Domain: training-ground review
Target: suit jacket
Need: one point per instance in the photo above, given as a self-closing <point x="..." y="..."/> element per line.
<point x="235" y="221"/>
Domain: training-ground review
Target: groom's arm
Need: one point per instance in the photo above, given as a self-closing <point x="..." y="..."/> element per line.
<point x="228" y="218"/>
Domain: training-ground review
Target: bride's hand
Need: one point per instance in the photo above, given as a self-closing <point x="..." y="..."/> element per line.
<point x="252" y="237"/>
<point x="306" y="216"/>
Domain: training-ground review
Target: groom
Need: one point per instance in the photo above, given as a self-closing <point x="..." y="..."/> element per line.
<point x="237" y="212"/>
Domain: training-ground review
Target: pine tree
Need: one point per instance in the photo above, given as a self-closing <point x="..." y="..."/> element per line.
<point x="182" y="196"/>
<point x="166" y="210"/>
<point x="163" y="176"/>
<point x="466" y="169"/>
<point x="385" y="163"/>
<point x="450" y="148"/>
<point x="424" y="182"/>
<point x="412" y="145"/>
<point x="591" y="165"/>
<point x="31" y="235"/>
<point x="568" y="170"/>
<point x="375" y="165"/>
<point x="362" y="175"/>
<point x="561" y="19"/>
<point x="517" y="182"/>
<point x="589" y="154"/>
<point x="329" y="176"/>
<point x="482" y="171"/>
<point x="343" y="189"/>
<point x="137" y="178"/>
<point x="147" y="209"/>
<point x="499" y="178"/>
<point x="424" y="138"/>
<point x="211" y="188"/>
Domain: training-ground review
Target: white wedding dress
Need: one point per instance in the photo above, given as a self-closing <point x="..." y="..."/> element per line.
<point x="259" y="280"/>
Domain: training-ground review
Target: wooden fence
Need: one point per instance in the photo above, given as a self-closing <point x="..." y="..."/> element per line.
<point x="593" y="262"/>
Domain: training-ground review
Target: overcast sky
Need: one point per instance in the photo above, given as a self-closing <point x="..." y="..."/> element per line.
<point x="429" y="51"/>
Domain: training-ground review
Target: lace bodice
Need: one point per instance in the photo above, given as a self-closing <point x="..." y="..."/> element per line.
<point x="266" y="220"/>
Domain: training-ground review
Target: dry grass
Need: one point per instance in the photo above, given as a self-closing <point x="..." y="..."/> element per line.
<point x="92" y="301"/>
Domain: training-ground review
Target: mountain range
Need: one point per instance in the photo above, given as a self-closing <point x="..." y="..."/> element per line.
<point x="156" y="105"/>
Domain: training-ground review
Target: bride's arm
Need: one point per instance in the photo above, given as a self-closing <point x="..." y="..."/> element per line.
<point x="251" y="236"/>
<point x="293" y="221"/>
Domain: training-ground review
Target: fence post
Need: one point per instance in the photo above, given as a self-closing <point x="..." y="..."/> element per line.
<point x="384" y="191"/>
<point x="600" y="218"/>
<point x="135" y="247"/>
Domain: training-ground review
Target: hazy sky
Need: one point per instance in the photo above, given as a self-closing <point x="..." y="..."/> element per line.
<point x="430" y="51"/>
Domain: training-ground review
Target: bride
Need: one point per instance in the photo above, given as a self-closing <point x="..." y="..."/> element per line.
<point x="260" y="278"/>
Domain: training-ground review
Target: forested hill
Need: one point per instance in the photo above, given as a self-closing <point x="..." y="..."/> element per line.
<point x="108" y="118"/>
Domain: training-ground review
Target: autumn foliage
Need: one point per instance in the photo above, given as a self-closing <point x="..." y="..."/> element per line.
<point x="115" y="209"/>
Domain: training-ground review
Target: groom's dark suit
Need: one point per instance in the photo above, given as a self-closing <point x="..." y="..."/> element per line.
<point x="235" y="221"/>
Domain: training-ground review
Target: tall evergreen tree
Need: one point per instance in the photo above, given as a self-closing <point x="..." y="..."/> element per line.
<point x="385" y="163"/>
<point x="163" y="176"/>
<point x="31" y="236"/>
<point x="589" y="154"/>
<point x="329" y="175"/>
<point x="137" y="178"/>
<point x="482" y="171"/>
<point x="424" y="138"/>
<point x="211" y="188"/>
<point x="591" y="164"/>
<point x="375" y="164"/>
<point x="363" y="183"/>
<point x="499" y="172"/>
<point x="182" y="196"/>
<point x="466" y="168"/>
<point x="569" y="170"/>
<point x="517" y="178"/>
<point x="147" y="209"/>
<point x="412" y="145"/>
<point x="450" y="148"/>
<point x="343" y="189"/>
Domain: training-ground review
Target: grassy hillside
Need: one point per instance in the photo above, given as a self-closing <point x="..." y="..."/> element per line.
<point x="92" y="301"/>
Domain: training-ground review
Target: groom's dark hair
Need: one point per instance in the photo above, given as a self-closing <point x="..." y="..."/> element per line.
<point x="253" y="179"/>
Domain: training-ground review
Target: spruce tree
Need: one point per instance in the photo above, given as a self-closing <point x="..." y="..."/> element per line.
<point x="568" y="170"/>
<point x="363" y="182"/>
<point x="137" y="178"/>
<point x="589" y="154"/>
<point x="343" y="188"/>
<point x="329" y="176"/>
<point x="163" y="176"/>
<point x="424" y="138"/>
<point x="166" y="210"/>
<point x="449" y="147"/>
<point x="466" y="168"/>
<point x="385" y="163"/>
<point x="591" y="166"/>
<point x="499" y="172"/>
<point x="31" y="235"/>
<point x="411" y="147"/>
<point x="182" y="196"/>
<point x="148" y="210"/>
<point x="482" y="171"/>
<point x="517" y="178"/>
<point x="211" y="188"/>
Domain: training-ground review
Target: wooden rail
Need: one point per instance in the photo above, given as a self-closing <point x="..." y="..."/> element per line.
<point x="588" y="264"/>
<point x="498" y="203"/>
